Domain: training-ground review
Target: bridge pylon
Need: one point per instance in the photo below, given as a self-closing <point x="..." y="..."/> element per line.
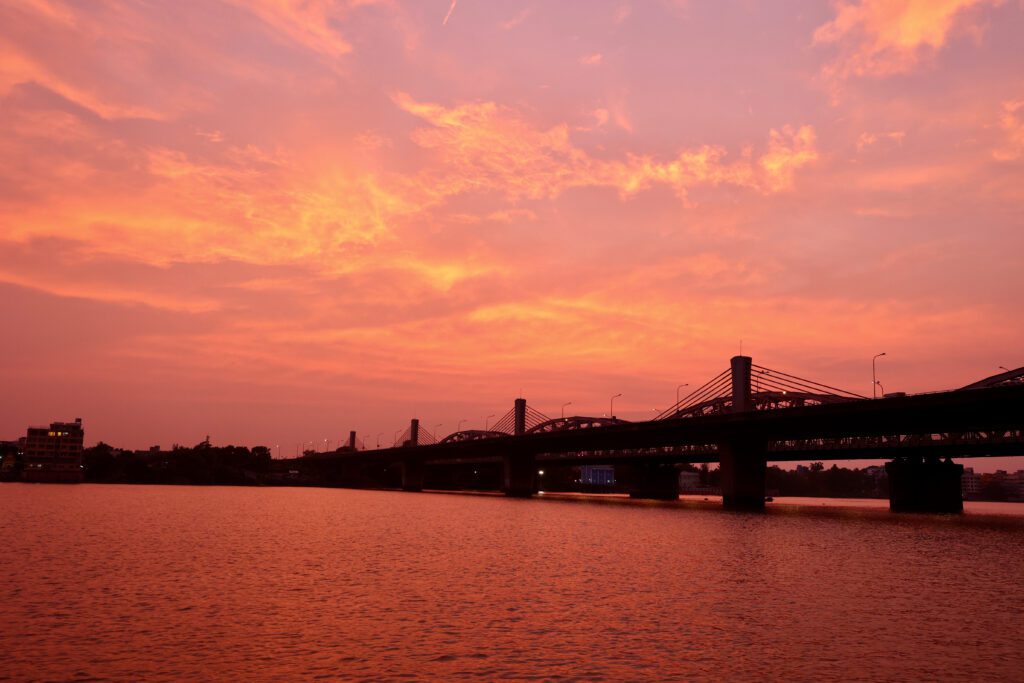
<point x="743" y="462"/>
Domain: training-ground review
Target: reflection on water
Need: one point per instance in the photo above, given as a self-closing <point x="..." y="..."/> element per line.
<point x="172" y="583"/>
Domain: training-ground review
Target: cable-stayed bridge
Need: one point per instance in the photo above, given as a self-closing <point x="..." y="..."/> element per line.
<point x="742" y="418"/>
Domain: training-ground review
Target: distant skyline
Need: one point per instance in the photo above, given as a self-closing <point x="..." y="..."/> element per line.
<point x="273" y="221"/>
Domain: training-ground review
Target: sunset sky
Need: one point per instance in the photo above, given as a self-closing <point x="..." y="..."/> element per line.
<point x="273" y="221"/>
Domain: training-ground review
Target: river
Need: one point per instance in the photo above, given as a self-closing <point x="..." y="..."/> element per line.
<point x="108" y="582"/>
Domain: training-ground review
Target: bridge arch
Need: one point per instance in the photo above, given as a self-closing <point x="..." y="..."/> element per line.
<point x="472" y="435"/>
<point x="563" y="424"/>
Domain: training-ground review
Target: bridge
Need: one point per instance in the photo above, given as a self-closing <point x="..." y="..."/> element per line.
<point x="743" y="418"/>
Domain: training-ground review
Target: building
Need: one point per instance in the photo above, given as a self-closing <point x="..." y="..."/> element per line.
<point x="970" y="484"/>
<point x="689" y="481"/>
<point x="1016" y="485"/>
<point x="10" y="461"/>
<point x="597" y="475"/>
<point x="53" y="454"/>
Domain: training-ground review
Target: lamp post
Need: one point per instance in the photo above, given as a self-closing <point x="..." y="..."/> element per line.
<point x="686" y="384"/>
<point x="874" y="379"/>
<point x="459" y="428"/>
<point x="567" y="403"/>
<point x="1003" y="367"/>
<point x="487" y="422"/>
<point x="611" y="406"/>
<point x="882" y="388"/>
<point x="378" y="438"/>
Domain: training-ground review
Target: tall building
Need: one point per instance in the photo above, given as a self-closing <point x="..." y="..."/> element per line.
<point x="53" y="454"/>
<point x="970" y="483"/>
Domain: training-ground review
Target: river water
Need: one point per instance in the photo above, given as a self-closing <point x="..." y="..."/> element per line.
<point x="188" y="583"/>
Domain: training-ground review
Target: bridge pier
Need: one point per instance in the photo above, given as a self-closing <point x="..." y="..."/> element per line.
<point x="413" y="470"/>
<point x="743" y="467"/>
<point x="653" y="481"/>
<point x="349" y="474"/>
<point x="925" y="485"/>
<point x="519" y="478"/>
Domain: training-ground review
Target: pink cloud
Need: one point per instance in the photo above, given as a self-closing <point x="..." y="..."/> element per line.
<point x="881" y="37"/>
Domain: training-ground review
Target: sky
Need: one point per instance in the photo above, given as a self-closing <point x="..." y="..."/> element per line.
<point x="275" y="221"/>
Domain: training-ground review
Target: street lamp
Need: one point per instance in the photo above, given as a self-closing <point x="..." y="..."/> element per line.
<point x="611" y="406"/>
<point x="378" y="438"/>
<point x="567" y="403"/>
<point x="459" y="428"/>
<point x="882" y="388"/>
<point x="677" y="391"/>
<point x="1003" y="367"/>
<point x="487" y="422"/>
<point x="874" y="379"/>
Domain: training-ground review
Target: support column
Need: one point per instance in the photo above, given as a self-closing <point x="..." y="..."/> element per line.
<point x="519" y="476"/>
<point x="743" y="463"/>
<point x="414" y="433"/>
<point x="413" y="470"/>
<point x="925" y="485"/>
<point x="743" y="467"/>
<point x="348" y="473"/>
<point x="653" y="481"/>
<point x="520" y="417"/>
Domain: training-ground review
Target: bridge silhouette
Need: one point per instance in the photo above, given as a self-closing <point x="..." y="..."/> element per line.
<point x="743" y="418"/>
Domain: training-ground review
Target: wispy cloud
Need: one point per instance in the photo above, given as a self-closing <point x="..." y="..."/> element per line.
<point x="1012" y="124"/>
<point x="451" y="9"/>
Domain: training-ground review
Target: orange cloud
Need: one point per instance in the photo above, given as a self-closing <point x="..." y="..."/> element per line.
<point x="886" y="37"/>
<point x="483" y="146"/>
<point x="871" y="139"/>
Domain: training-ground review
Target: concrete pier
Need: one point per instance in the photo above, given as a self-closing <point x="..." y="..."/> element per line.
<point x="413" y="471"/>
<point x="925" y="485"/>
<point x="743" y="468"/>
<point x="653" y="481"/>
<point x="519" y="478"/>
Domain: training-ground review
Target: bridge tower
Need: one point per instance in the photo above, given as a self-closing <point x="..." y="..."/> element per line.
<point x="519" y="470"/>
<point x="743" y="459"/>
<point x="352" y="440"/>
<point x="520" y="417"/>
